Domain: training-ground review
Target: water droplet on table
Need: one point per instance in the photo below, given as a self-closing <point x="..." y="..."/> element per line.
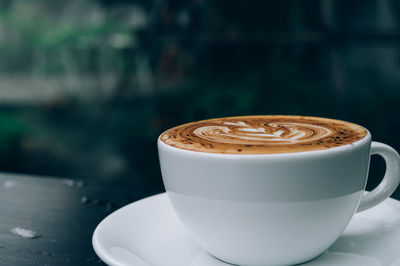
<point x="68" y="182"/>
<point x="73" y="183"/>
<point x="85" y="200"/>
<point x="110" y="206"/>
<point x="25" y="233"/>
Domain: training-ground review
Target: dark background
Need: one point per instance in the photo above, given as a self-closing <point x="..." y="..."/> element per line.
<point x="87" y="86"/>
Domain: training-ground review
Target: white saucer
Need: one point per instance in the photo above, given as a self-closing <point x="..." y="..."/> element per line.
<point x="148" y="232"/>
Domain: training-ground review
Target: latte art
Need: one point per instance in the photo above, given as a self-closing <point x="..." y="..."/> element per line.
<point x="263" y="134"/>
<point x="279" y="133"/>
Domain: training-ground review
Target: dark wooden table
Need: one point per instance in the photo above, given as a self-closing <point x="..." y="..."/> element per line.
<point x="50" y="221"/>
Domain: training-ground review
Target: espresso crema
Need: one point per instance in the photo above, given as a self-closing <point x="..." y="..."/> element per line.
<point x="263" y="134"/>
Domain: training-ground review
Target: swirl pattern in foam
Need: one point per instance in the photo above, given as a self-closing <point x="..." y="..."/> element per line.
<point x="279" y="133"/>
<point x="263" y="134"/>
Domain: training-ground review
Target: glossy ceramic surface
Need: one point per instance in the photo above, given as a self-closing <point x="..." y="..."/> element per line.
<point x="272" y="209"/>
<point x="148" y="232"/>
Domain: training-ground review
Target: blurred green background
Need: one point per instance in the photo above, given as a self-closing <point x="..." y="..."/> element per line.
<point x="87" y="86"/>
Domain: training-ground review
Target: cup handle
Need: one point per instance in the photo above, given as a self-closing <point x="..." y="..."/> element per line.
<point x="390" y="181"/>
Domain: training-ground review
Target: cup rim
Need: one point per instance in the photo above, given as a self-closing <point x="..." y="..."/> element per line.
<point x="334" y="150"/>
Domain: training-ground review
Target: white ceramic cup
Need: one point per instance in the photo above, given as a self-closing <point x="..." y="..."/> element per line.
<point x="273" y="209"/>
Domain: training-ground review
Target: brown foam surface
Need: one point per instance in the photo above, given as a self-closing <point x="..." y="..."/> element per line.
<point x="263" y="134"/>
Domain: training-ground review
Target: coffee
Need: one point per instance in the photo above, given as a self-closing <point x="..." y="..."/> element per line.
<point x="263" y="134"/>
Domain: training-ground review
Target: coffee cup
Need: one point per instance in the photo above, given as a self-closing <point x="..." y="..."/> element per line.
<point x="271" y="190"/>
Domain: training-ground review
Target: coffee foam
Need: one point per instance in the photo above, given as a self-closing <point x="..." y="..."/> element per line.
<point x="263" y="134"/>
